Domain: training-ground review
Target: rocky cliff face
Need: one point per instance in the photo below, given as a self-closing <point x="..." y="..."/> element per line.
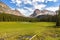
<point x="35" y="13"/>
<point x="5" y="9"/>
<point x="38" y="12"/>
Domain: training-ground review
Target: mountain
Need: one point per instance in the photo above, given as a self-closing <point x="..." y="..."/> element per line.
<point x="38" y="12"/>
<point x="5" y="9"/>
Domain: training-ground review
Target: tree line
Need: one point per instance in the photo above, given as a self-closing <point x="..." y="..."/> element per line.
<point x="8" y="17"/>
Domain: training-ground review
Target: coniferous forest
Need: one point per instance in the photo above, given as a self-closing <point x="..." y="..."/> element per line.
<point x="9" y="17"/>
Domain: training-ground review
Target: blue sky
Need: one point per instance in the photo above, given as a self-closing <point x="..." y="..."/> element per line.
<point x="27" y="7"/>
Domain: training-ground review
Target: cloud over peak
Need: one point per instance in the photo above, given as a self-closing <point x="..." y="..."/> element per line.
<point x="27" y="6"/>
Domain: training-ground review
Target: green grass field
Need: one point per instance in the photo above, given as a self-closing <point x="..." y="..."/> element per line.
<point x="27" y="31"/>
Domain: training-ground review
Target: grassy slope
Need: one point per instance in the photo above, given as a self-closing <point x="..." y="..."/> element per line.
<point x="22" y="28"/>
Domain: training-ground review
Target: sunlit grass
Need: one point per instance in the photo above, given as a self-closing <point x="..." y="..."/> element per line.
<point x="14" y="29"/>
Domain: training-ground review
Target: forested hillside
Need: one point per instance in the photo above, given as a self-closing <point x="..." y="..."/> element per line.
<point x="9" y="17"/>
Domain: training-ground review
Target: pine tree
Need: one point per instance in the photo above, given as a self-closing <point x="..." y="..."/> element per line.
<point x="58" y="18"/>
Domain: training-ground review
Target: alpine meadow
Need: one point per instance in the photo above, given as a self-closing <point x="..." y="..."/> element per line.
<point x="29" y="20"/>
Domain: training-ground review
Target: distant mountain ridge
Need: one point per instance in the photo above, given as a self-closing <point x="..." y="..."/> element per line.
<point x="4" y="8"/>
<point x="38" y="12"/>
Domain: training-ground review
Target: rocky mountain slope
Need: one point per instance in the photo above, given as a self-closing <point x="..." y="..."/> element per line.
<point x="5" y="9"/>
<point x="38" y="12"/>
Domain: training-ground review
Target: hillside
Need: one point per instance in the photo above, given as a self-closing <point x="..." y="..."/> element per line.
<point x="9" y="17"/>
<point x="38" y="12"/>
<point x="4" y="8"/>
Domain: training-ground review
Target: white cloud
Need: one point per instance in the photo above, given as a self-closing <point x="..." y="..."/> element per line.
<point x="40" y="6"/>
<point x="27" y="1"/>
<point x="38" y="0"/>
<point x="44" y="0"/>
<point x="12" y="1"/>
<point x="18" y="2"/>
<point x="29" y="10"/>
<point x="33" y="2"/>
<point x="51" y="0"/>
<point x="22" y="11"/>
<point x="52" y="8"/>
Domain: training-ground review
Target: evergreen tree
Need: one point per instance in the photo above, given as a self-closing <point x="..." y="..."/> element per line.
<point x="58" y="18"/>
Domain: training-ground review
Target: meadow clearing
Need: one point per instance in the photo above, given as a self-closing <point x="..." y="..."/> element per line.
<point x="29" y="31"/>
